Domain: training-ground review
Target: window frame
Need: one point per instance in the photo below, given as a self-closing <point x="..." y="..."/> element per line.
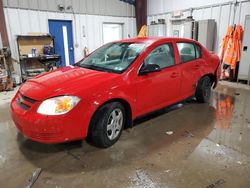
<point x="166" y="43"/>
<point x="192" y="43"/>
<point x="200" y="48"/>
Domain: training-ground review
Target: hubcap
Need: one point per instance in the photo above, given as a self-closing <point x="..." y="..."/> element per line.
<point x="115" y="122"/>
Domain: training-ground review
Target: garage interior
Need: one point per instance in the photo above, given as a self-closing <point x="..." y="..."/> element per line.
<point x="183" y="145"/>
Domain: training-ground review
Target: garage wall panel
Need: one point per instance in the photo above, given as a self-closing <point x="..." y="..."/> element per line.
<point x="33" y="4"/>
<point x="87" y="29"/>
<point x="97" y="7"/>
<point x="83" y="6"/>
<point x="5" y="3"/>
<point x="35" y="25"/>
<point x="163" y="6"/>
<point x="222" y="11"/>
<point x="102" y="4"/>
<point x="12" y="3"/>
<point x="23" y="3"/>
<point x="245" y="10"/>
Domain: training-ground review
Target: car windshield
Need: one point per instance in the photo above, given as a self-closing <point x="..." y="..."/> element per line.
<point x="113" y="57"/>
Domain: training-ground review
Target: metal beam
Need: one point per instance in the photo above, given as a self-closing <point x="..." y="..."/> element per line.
<point x="3" y="30"/>
<point x="202" y="7"/>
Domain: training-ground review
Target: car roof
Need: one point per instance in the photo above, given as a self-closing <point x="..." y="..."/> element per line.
<point x="151" y="40"/>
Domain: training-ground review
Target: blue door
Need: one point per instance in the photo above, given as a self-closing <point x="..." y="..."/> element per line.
<point x="61" y="31"/>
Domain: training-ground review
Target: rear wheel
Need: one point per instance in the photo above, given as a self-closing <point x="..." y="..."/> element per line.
<point x="203" y="90"/>
<point x="107" y="124"/>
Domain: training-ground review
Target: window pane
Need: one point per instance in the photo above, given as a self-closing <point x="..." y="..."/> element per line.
<point x="162" y="55"/>
<point x="114" y="57"/>
<point x="198" y="51"/>
<point x="186" y="51"/>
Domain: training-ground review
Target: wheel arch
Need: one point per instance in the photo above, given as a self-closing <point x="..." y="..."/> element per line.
<point x="125" y="104"/>
<point x="211" y="76"/>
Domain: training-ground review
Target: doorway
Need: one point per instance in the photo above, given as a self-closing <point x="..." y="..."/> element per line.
<point x="112" y="32"/>
<point x="61" y="31"/>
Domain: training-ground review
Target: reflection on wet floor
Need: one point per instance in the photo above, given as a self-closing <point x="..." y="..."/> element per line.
<point x="224" y="109"/>
<point x="208" y="145"/>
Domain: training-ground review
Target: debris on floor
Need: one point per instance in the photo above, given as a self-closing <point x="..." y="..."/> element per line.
<point x="188" y="134"/>
<point x="169" y="132"/>
<point x="217" y="183"/>
<point x="73" y="155"/>
<point x="34" y="177"/>
<point x="239" y="162"/>
<point x="176" y="106"/>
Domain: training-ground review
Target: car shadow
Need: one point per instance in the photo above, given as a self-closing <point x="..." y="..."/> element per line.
<point x="148" y="138"/>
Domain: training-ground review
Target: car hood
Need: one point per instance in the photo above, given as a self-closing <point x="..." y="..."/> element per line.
<point x="64" y="81"/>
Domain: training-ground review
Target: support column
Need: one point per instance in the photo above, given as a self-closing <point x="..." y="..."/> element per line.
<point x="3" y="29"/>
<point x="140" y="13"/>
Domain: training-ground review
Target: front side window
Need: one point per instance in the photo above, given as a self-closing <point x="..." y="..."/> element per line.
<point x="186" y="51"/>
<point x="113" y="57"/>
<point x="162" y="55"/>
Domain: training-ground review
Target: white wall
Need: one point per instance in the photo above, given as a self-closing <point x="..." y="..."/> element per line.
<point x="22" y="21"/>
<point x="162" y="6"/>
<point x="222" y="14"/>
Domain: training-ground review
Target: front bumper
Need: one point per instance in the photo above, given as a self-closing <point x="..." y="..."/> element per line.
<point x="49" y="129"/>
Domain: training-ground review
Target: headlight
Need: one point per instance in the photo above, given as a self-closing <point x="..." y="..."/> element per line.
<point x="58" y="105"/>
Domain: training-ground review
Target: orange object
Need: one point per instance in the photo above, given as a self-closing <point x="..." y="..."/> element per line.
<point x="237" y="38"/>
<point x="225" y="41"/>
<point x="232" y="52"/>
<point x="86" y="51"/>
<point x="143" y="31"/>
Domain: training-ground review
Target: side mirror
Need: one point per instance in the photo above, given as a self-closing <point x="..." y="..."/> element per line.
<point x="148" y="68"/>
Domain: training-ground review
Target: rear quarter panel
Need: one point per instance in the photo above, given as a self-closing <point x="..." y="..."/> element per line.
<point x="211" y="65"/>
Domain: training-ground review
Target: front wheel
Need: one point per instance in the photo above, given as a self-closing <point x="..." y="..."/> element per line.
<point x="203" y="90"/>
<point x="107" y="124"/>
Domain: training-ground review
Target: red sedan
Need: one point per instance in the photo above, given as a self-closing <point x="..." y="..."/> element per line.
<point x="115" y="84"/>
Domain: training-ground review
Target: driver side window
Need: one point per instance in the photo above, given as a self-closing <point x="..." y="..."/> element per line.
<point x="162" y="55"/>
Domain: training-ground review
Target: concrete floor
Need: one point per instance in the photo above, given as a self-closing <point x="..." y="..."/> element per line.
<point x="209" y="147"/>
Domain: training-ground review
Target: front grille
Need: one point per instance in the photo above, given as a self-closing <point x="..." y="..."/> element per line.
<point x="22" y="105"/>
<point x="24" y="102"/>
<point x="32" y="101"/>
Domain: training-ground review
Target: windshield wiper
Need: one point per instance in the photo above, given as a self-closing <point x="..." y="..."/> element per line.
<point x="93" y="67"/>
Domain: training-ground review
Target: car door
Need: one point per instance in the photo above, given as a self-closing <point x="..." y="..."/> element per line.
<point x="158" y="89"/>
<point x="190" y="64"/>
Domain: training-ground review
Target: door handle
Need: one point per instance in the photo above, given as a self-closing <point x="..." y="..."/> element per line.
<point x="196" y="67"/>
<point x="174" y="75"/>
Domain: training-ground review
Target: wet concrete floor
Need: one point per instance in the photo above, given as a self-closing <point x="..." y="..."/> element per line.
<point x="209" y="147"/>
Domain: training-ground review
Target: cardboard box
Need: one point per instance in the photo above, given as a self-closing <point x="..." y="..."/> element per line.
<point x="6" y="84"/>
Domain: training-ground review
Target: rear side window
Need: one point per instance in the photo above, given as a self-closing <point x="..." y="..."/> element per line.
<point x="187" y="51"/>
<point x="162" y="55"/>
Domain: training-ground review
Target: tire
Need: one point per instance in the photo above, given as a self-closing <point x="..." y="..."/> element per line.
<point x="203" y="90"/>
<point x="104" y="133"/>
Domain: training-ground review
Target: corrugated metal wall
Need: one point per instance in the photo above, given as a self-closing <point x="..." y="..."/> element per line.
<point x="223" y="13"/>
<point x="87" y="29"/>
<point x="96" y="7"/>
<point x="24" y="16"/>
